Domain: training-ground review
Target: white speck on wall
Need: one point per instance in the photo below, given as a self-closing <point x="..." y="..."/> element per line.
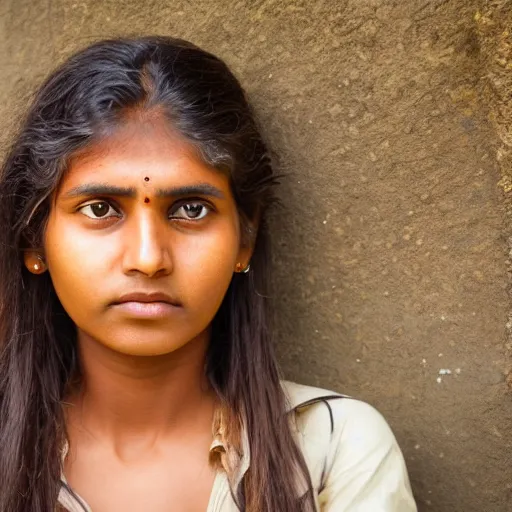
<point x="439" y="380"/>
<point x="445" y="371"/>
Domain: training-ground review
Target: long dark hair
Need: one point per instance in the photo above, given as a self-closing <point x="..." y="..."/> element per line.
<point x="81" y="102"/>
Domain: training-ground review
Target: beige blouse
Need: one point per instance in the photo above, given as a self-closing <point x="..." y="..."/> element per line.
<point x="352" y="455"/>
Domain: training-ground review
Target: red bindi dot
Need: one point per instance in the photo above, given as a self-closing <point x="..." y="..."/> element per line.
<point x="146" y="179"/>
<point x="146" y="199"/>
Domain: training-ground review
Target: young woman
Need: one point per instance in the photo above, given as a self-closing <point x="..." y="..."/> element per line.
<point x="136" y="367"/>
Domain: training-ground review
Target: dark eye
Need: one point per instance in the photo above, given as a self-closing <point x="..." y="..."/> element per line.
<point x="99" y="210"/>
<point x="190" y="211"/>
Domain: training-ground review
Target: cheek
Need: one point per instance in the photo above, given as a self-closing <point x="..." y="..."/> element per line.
<point x="76" y="263"/>
<point x="206" y="265"/>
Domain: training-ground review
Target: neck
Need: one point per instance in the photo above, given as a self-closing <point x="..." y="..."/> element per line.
<point x="145" y="397"/>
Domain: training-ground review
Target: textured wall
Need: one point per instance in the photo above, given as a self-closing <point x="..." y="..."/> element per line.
<point x="391" y="255"/>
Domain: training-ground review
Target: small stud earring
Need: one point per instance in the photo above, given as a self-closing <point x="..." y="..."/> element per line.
<point x="241" y="269"/>
<point x="36" y="264"/>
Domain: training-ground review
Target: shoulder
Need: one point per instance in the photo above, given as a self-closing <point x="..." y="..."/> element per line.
<point x="353" y="457"/>
<point x="348" y="418"/>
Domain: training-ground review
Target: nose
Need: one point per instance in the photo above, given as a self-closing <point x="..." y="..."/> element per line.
<point x="147" y="251"/>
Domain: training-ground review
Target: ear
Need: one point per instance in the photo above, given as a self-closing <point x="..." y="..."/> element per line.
<point x="34" y="261"/>
<point x="248" y="240"/>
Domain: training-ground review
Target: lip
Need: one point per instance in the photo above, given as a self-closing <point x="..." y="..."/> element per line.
<point x="146" y="298"/>
<point x="146" y="305"/>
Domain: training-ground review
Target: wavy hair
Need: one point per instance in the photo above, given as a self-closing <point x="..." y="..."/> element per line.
<point x="81" y="102"/>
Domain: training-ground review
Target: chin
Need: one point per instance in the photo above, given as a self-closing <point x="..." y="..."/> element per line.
<point x="147" y="342"/>
<point x="150" y="350"/>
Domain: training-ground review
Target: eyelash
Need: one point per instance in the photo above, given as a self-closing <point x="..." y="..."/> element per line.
<point x="190" y="202"/>
<point x="175" y="208"/>
<point x="98" y="202"/>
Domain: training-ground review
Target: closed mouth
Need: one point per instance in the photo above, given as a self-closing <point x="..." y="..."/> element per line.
<point x="147" y="298"/>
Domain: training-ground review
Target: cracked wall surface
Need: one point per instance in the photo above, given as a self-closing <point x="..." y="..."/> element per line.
<point x="392" y="123"/>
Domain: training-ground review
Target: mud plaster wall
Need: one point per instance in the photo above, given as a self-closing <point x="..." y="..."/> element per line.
<point x="392" y="121"/>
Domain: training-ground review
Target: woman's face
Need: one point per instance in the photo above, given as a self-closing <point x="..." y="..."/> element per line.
<point x="142" y="241"/>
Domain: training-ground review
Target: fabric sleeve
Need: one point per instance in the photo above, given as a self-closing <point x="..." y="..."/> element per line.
<point x="365" y="469"/>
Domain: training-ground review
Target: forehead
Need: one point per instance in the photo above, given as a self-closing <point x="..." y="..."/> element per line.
<point x="137" y="150"/>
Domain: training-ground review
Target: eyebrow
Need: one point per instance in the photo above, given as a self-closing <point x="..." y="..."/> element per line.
<point x="201" y="189"/>
<point x="99" y="189"/>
